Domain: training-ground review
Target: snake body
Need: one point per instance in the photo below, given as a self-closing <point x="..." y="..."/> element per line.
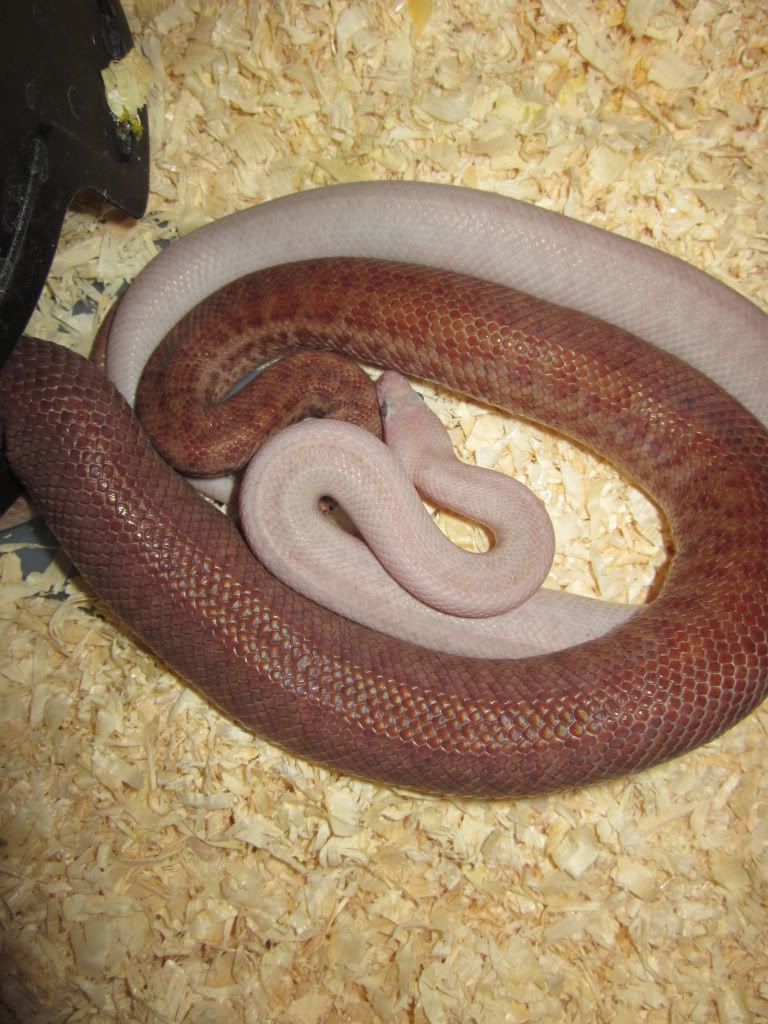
<point x="680" y="672"/>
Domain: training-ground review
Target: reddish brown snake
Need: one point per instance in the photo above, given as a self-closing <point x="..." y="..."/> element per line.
<point x="682" y="671"/>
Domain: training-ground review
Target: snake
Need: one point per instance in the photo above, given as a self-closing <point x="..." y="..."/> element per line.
<point x="684" y="412"/>
<point x="398" y="576"/>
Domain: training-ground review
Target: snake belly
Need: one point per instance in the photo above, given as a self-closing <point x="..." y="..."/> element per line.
<point x="680" y="672"/>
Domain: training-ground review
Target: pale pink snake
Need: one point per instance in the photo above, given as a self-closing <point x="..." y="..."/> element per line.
<point x="412" y="588"/>
<point x="678" y="673"/>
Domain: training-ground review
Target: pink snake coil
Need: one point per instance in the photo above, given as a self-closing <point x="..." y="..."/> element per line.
<point x="681" y="671"/>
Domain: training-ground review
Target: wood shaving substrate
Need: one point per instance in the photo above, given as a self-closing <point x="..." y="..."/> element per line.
<point x="160" y="864"/>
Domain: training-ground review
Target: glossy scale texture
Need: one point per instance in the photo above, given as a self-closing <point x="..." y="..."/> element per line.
<point x="679" y="673"/>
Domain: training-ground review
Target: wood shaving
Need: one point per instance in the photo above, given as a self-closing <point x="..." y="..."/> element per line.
<point x="126" y="85"/>
<point x="159" y="864"/>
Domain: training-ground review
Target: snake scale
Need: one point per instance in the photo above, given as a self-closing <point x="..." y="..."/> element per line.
<point x="680" y="672"/>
